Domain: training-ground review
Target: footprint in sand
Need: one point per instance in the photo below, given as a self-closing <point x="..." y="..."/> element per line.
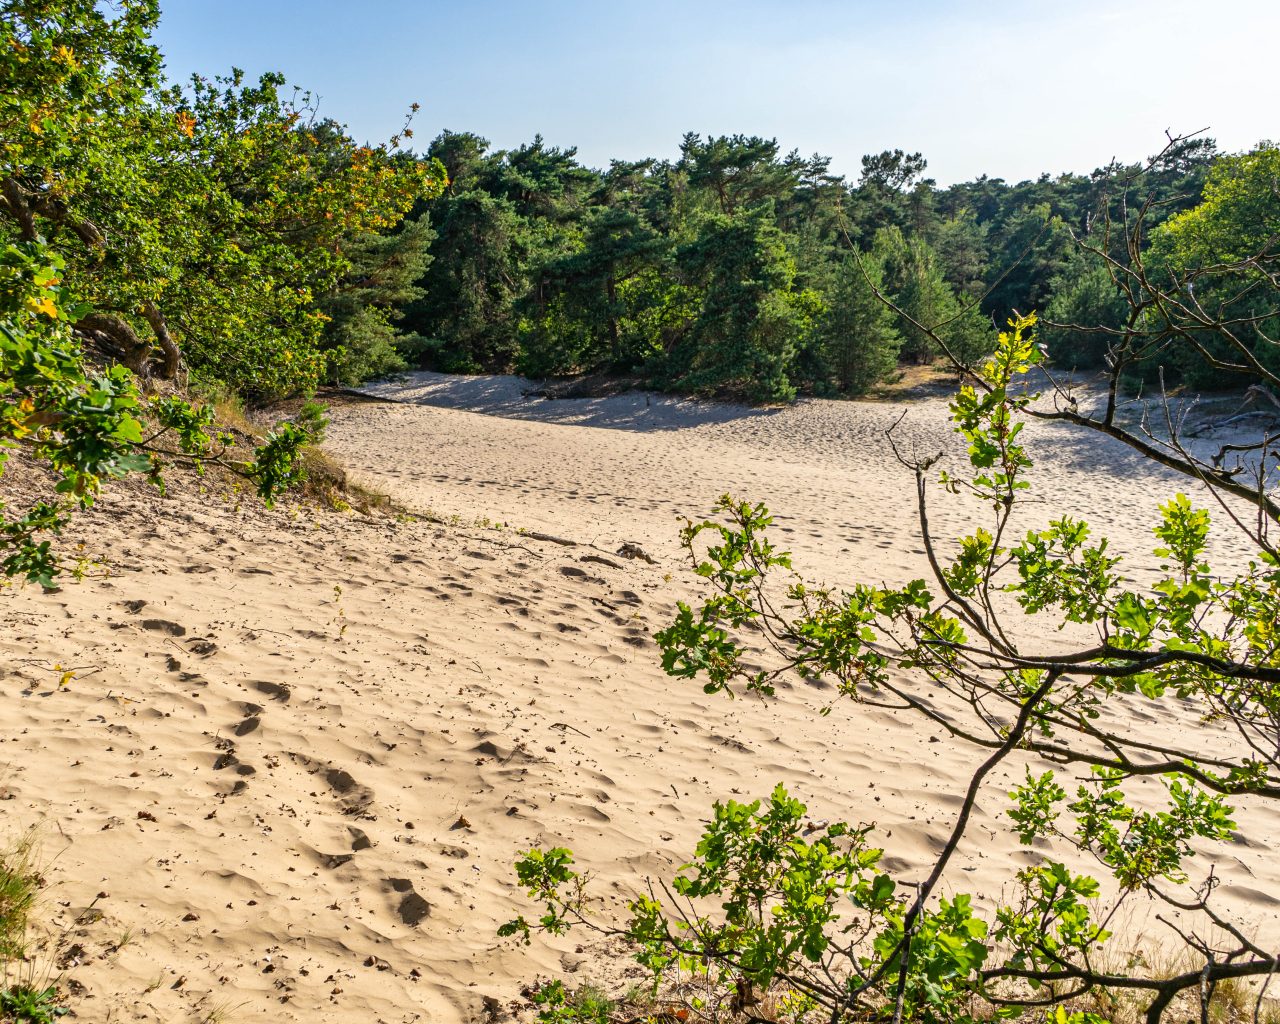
<point x="412" y="908"/>
<point x="228" y="759"/>
<point x="164" y="626"/>
<point x="276" y="691"/>
<point x="252" y="719"/>
<point x="353" y="798"/>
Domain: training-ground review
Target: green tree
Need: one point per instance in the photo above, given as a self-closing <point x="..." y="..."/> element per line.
<point x="737" y="171"/>
<point x="750" y="321"/>
<point x="961" y="244"/>
<point x="584" y="317"/>
<point x="361" y="338"/>
<point x="462" y="155"/>
<point x="893" y="170"/>
<point x="1085" y="298"/>
<point x="1225" y="252"/>
<point x="930" y="318"/>
<point x="543" y="183"/>
<point x="199" y="223"/>
<point x="887" y="195"/>
<point x="144" y="225"/>
<point x="1031" y="247"/>
<point x="467" y="310"/>
<point x="855" y="340"/>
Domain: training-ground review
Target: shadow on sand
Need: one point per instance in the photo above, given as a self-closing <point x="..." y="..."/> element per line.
<point x="509" y="397"/>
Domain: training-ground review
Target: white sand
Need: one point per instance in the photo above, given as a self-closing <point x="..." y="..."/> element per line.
<point x="331" y="674"/>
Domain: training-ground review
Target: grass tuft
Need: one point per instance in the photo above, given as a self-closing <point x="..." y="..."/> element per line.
<point x="23" y="1000"/>
<point x="19" y="887"/>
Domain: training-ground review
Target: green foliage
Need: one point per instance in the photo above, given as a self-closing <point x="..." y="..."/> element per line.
<point x="1223" y="254"/>
<point x="737" y="173"/>
<point x="744" y="336"/>
<point x="361" y="338"/>
<point x="20" y="884"/>
<point x="471" y="285"/>
<point x="1034" y="243"/>
<point x="1051" y="922"/>
<point x="558" y="1005"/>
<point x="1139" y="846"/>
<point x="211" y="218"/>
<point x="1085" y="297"/>
<point x="88" y="427"/>
<point x="725" y="271"/>
<point x="928" y="306"/>
<point x="591" y="307"/>
<point x="27" y="1005"/>
<point x="543" y="873"/>
<point x="219" y="226"/>
<point x="778" y="891"/>
<point x="855" y="341"/>
<point x="1238" y="217"/>
<point x="767" y="891"/>
<point x="665" y="269"/>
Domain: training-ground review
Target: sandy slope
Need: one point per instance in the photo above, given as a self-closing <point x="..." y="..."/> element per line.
<point x="302" y="749"/>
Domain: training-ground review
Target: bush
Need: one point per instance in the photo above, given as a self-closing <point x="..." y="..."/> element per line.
<point x="87" y="426"/>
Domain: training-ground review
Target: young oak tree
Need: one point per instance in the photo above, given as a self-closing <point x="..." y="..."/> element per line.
<point x="199" y="224"/>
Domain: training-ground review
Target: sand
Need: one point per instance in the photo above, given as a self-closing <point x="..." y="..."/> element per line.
<point x="302" y="749"/>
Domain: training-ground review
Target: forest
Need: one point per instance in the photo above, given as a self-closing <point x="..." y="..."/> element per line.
<point x="737" y="270"/>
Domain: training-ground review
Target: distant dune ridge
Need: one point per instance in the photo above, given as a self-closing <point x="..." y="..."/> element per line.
<point x="301" y="750"/>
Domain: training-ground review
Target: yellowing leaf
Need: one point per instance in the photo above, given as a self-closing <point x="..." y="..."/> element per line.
<point x="43" y="305"/>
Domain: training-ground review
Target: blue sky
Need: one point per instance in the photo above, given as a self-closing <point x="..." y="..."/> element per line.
<point x="1005" y="88"/>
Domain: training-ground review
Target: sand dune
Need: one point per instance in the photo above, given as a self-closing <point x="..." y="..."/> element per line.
<point x="302" y="749"/>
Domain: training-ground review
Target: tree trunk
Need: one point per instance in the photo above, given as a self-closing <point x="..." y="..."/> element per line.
<point x="169" y="347"/>
<point x="131" y="350"/>
<point x="615" y="337"/>
<point x="134" y="353"/>
<point x="15" y="199"/>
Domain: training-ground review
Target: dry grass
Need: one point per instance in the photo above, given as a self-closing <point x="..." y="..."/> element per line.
<point x="327" y="484"/>
<point x="231" y="415"/>
<point x="20" y="885"/>
<point x="911" y="380"/>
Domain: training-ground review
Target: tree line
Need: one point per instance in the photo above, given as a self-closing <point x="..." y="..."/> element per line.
<point x="222" y="229"/>
<point x="739" y="270"/>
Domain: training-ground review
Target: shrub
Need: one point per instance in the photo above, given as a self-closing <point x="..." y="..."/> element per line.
<point x="87" y="426"/>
